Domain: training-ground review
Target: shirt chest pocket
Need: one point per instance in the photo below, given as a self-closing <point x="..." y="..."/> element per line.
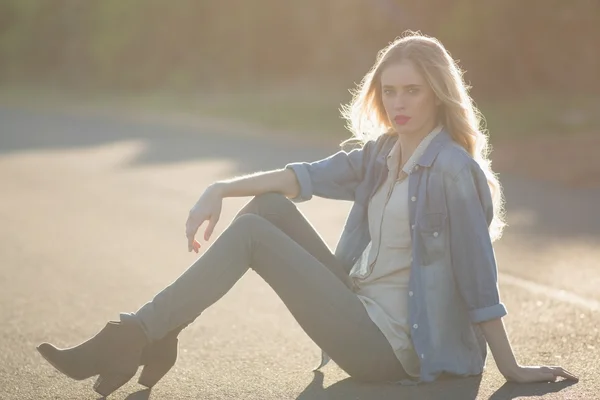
<point x="432" y="230"/>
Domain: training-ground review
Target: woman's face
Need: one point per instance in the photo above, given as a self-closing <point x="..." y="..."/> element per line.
<point x="409" y="101"/>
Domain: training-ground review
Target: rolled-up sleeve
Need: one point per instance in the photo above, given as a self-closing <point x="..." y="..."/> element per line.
<point x="335" y="177"/>
<point x="470" y="211"/>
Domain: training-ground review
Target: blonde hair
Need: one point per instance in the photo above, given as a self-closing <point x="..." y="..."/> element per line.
<point x="367" y="119"/>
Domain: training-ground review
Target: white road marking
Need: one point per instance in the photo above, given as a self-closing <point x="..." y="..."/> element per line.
<point x="558" y="294"/>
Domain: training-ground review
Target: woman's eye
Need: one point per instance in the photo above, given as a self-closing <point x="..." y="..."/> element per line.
<point x="388" y="91"/>
<point x="413" y="90"/>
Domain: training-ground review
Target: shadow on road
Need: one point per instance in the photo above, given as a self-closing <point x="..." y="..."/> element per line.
<point x="143" y="394"/>
<point x="163" y="143"/>
<point x="554" y="210"/>
<point x="459" y="389"/>
<point x="510" y="391"/>
<point x="450" y="389"/>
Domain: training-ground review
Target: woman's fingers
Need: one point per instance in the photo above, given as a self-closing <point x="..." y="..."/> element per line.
<point x="196" y="246"/>
<point x="559" y="371"/>
<point x="212" y="222"/>
<point x="546" y="374"/>
<point x="191" y="240"/>
<point x="207" y="208"/>
<point x="191" y="228"/>
<point x="543" y="374"/>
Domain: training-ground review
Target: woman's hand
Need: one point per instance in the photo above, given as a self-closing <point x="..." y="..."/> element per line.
<point x="207" y="208"/>
<point x="539" y="374"/>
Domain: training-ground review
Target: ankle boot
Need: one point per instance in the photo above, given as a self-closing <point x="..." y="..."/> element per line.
<point x="114" y="354"/>
<point x="159" y="357"/>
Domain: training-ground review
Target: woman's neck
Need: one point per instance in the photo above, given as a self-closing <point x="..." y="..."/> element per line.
<point x="409" y="142"/>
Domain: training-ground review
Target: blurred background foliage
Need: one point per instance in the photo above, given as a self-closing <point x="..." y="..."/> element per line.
<point x="538" y="55"/>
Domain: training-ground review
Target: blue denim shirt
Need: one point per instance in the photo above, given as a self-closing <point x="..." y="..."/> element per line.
<point x="453" y="275"/>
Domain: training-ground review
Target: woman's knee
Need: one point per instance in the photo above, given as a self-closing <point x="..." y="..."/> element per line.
<point x="248" y="222"/>
<point x="271" y="204"/>
<point x="272" y="199"/>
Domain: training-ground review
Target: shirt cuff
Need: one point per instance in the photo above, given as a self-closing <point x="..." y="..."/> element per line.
<point x="304" y="181"/>
<point x="487" y="313"/>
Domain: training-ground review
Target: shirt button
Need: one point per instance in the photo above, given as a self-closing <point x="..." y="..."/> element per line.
<point x="435" y="234"/>
<point x="423" y="356"/>
<point x="413" y="198"/>
<point x="410" y="293"/>
<point x="412" y="227"/>
<point x="415" y="326"/>
<point x="416" y="167"/>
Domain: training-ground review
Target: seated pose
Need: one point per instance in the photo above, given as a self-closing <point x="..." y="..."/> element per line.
<point x="410" y="293"/>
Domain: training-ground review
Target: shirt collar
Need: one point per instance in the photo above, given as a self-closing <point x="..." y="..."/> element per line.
<point x="422" y="155"/>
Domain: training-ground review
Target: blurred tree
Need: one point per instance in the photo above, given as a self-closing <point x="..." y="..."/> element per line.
<point x="507" y="46"/>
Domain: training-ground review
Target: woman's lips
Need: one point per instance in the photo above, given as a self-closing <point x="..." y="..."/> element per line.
<point x="401" y="119"/>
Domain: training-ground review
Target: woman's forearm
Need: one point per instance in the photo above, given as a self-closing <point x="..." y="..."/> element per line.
<point x="280" y="181"/>
<point x="495" y="335"/>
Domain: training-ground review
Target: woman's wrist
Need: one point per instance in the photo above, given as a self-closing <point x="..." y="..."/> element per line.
<point x="510" y="372"/>
<point x="217" y="188"/>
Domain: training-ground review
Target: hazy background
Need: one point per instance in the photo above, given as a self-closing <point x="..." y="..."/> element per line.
<point x="109" y="112"/>
<point x="288" y="64"/>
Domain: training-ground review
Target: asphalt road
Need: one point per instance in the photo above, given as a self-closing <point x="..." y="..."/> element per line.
<point x="92" y="213"/>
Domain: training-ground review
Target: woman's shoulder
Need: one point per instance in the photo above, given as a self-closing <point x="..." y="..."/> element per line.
<point x="371" y="147"/>
<point x="368" y="141"/>
<point x="454" y="159"/>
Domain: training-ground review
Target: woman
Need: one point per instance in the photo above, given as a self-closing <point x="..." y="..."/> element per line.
<point x="410" y="294"/>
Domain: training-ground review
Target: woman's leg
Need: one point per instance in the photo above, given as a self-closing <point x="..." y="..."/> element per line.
<point x="328" y="311"/>
<point x="283" y="213"/>
<point x="159" y="356"/>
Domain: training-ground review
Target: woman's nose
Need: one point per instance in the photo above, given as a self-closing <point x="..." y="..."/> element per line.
<point x="399" y="104"/>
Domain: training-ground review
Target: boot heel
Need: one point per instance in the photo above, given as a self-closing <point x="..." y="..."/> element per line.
<point x="109" y="382"/>
<point x="152" y="373"/>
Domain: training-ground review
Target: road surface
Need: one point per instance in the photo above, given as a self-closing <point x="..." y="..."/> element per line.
<point x="92" y="212"/>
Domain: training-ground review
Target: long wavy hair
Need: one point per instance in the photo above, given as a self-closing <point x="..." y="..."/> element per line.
<point x="366" y="117"/>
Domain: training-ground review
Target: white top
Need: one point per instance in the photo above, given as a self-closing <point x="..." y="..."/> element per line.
<point x="382" y="284"/>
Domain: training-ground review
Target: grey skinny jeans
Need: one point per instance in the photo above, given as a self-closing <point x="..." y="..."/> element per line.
<point x="271" y="236"/>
